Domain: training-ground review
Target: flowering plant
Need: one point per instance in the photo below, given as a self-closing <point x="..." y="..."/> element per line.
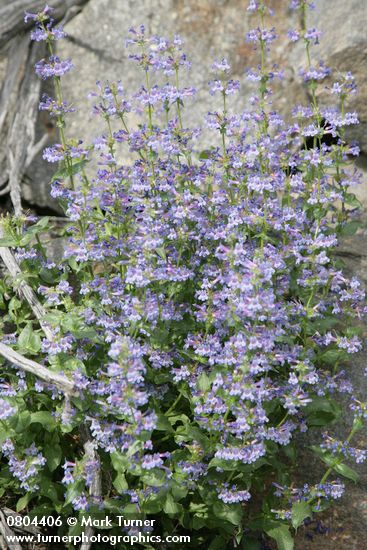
<point x="198" y="320"/>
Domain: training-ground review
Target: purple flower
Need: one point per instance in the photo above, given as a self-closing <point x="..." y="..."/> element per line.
<point x="221" y="67"/>
<point x="40" y="16"/>
<point x="80" y="502"/>
<point x="293" y="35"/>
<point x="313" y="35"/>
<point x="152" y="461"/>
<point x="53" y="67"/>
<point x="231" y="496"/>
<point x="54" y="153"/>
<point x="253" y="6"/>
<point x="40" y="34"/>
<point x="53" y="107"/>
<point x="6" y="410"/>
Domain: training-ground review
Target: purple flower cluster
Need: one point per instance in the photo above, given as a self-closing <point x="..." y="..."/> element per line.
<point x="6" y="410"/>
<point x="24" y="470"/>
<point x="52" y="67"/>
<point x="339" y="448"/>
<point x="332" y="490"/>
<point x="232" y="495"/>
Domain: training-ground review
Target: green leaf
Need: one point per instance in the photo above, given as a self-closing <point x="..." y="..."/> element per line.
<point x="120" y="483"/>
<point x="130" y="510"/>
<point x="347" y="472"/>
<point x="28" y="340"/>
<point x="232" y="513"/>
<point x="34" y="230"/>
<point x="326" y="456"/>
<point x="171" y="506"/>
<point x="206" y="154"/>
<point x="73" y="491"/>
<point x="160" y="336"/>
<point x="322" y="411"/>
<point x="120" y="462"/>
<point x="8" y="242"/>
<point x="153" y="504"/>
<point x="226" y="465"/>
<point x="155" y="478"/>
<point x="175" y="418"/>
<point x="333" y="355"/>
<point x="300" y="511"/>
<point x="45" y="418"/>
<point x="74" y="364"/>
<point x="203" y="382"/>
<point x="217" y="544"/>
<point x="69" y="171"/>
<point x="352" y="200"/>
<point x="358" y="423"/>
<point x="331" y="460"/>
<point x="23" y="502"/>
<point x="77" y="327"/>
<point x="48" y="489"/>
<point x="4" y="434"/>
<point x="23" y="421"/>
<point x="14" y="305"/>
<point x="350" y="228"/>
<point x="195" y="434"/>
<point x="179" y="491"/>
<point x="193" y="356"/>
<point x="53" y="454"/>
<point x="54" y="317"/>
<point x="282" y="536"/>
<point x="161" y="252"/>
<point x="163" y="424"/>
<point x="41" y="224"/>
<point x="250" y="544"/>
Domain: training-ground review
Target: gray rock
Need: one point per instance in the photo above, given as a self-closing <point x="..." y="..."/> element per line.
<point x="343" y="47"/>
<point x="211" y="30"/>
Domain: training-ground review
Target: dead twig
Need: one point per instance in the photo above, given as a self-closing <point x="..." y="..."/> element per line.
<point x="6" y="533"/>
<point x="23" y="528"/>
<point x="12" y="15"/>
<point x="60" y="381"/>
<point x="95" y="488"/>
<point x="24" y="289"/>
<point x="20" y="92"/>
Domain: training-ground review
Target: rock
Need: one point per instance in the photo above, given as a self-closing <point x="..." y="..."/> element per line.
<point x="211" y="30"/>
<point x="343" y="47"/>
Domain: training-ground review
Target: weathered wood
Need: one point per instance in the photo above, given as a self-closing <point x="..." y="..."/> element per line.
<point x="24" y="289"/>
<point x="18" y="52"/>
<point x="20" y="91"/>
<point x="17" y="58"/>
<point x="12" y="15"/>
<point x="22" y="133"/>
<point x="6" y="532"/>
<point x="95" y="488"/>
<point x="21" y="528"/>
<point x="28" y="365"/>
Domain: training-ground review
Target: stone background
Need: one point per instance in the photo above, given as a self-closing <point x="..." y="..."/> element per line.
<point x="213" y="29"/>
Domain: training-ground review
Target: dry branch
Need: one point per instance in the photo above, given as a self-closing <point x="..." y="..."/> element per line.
<point x="95" y="488"/>
<point x="61" y="382"/>
<point x="20" y="91"/>
<point x="5" y="533"/>
<point x="24" y="289"/>
<point x="12" y="15"/>
<point x="22" y="133"/>
<point x="20" y="528"/>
